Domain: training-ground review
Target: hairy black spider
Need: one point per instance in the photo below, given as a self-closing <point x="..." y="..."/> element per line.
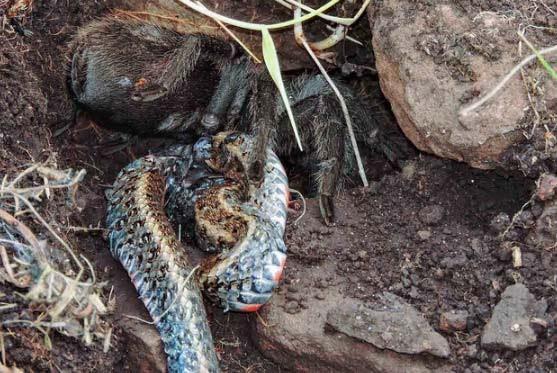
<point x="328" y="154"/>
<point x="144" y="79"/>
<point x="140" y="78"/>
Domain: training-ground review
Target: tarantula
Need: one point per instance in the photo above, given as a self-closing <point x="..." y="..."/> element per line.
<point x="145" y="79"/>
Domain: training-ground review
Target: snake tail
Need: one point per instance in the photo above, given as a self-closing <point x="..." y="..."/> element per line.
<point x="142" y="239"/>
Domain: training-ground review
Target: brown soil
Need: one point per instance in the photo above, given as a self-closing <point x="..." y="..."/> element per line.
<point x="376" y="235"/>
<point x="379" y="246"/>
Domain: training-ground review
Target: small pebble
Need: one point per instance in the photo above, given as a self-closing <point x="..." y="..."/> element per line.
<point x="476" y="245"/>
<point x="362" y="254"/>
<point x="432" y="215"/>
<point x="455" y="320"/>
<point x="439" y="273"/>
<point x="500" y="223"/>
<point x="320" y="296"/>
<point x="424" y="235"/>
<point x="293" y="296"/>
<point x="396" y="287"/>
<point x="408" y="170"/>
<point x="292" y="307"/>
<point x="472" y="351"/>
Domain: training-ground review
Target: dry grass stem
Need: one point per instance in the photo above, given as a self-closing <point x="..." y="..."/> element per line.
<point x="470" y="108"/>
<point x="301" y="39"/>
<point x="48" y="268"/>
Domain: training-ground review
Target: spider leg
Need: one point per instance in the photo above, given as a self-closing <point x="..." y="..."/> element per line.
<point x="229" y="98"/>
<point x="263" y="121"/>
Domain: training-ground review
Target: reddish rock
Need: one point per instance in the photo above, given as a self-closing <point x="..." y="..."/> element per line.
<point x="433" y="59"/>
<point x="453" y="321"/>
<point x="510" y="326"/>
<point x="145" y="351"/>
<point x="303" y="342"/>
<point x="546" y="187"/>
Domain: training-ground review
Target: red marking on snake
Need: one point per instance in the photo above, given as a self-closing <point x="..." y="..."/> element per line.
<point x="278" y="274"/>
<point x="251" y="307"/>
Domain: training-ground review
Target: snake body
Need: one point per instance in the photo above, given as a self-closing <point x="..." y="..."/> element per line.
<point x="230" y="213"/>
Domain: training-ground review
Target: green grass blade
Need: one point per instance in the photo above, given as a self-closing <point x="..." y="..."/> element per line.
<point x="271" y="61"/>
<point x="199" y="7"/>
<point x="542" y="60"/>
<point x="546" y="64"/>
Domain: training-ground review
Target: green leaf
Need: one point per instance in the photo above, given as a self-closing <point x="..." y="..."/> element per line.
<point x="47" y="341"/>
<point x="546" y="65"/>
<point x="271" y="61"/>
<point x="550" y="70"/>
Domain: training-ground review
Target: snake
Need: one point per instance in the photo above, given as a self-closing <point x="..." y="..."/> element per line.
<point x="241" y="223"/>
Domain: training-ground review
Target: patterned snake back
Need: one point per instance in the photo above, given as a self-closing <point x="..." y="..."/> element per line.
<point x="202" y="181"/>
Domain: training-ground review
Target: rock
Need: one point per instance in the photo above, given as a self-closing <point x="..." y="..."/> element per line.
<point x="292" y="307"/>
<point x="414" y="294"/>
<point x="409" y="170"/>
<point x="436" y="61"/>
<point x="543" y="233"/>
<point x="472" y="351"/>
<point x="320" y="296"/>
<point x="304" y="342"/>
<point x="424" y="235"/>
<point x="476" y="245"/>
<point x="505" y="251"/>
<point x="454" y="261"/>
<point x="453" y="321"/>
<point x="294" y="296"/>
<point x="390" y="324"/>
<point x="144" y="347"/>
<point x="509" y="326"/>
<point x="547" y="184"/>
<point x="431" y="215"/>
<point x="439" y="273"/>
<point x="500" y="222"/>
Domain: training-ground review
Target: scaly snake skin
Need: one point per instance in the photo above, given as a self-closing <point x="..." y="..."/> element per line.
<point x="142" y="238"/>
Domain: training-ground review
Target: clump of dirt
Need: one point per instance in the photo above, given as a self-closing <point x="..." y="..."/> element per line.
<point x="22" y="103"/>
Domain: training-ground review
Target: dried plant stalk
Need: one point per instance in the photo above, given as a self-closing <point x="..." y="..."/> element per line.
<point x="69" y="296"/>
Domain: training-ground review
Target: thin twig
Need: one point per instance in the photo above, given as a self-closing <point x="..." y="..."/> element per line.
<point x="8" y="268"/>
<point x="347" y="118"/>
<point x="291" y="4"/>
<point x="24" y="231"/>
<point x="53" y="232"/>
<point x="303" y="204"/>
<point x="468" y="109"/>
<point x="238" y="40"/>
<point x="347" y="37"/>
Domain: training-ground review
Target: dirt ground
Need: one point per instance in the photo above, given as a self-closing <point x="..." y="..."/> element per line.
<point x="458" y="265"/>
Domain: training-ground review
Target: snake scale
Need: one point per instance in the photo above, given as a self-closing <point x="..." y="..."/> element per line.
<point x="202" y="185"/>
